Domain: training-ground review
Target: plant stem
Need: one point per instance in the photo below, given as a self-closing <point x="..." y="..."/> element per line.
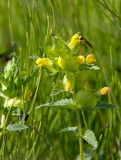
<point x="80" y="132"/>
<point x="3" y="116"/>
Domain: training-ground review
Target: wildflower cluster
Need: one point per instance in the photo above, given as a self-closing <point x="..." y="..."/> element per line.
<point x="61" y="57"/>
<point x="69" y="64"/>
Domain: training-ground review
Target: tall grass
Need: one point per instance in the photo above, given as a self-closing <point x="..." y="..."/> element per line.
<point x="31" y="24"/>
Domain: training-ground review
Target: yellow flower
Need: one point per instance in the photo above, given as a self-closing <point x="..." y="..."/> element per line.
<point x="104" y="91"/>
<point x="40" y="62"/>
<point x="60" y="62"/>
<point x="81" y="59"/>
<point x="44" y="62"/>
<point x="90" y="59"/>
<point x="28" y="94"/>
<point x="68" y="86"/>
<point x="74" y="41"/>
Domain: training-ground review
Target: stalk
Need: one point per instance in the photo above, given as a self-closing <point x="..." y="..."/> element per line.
<point x="80" y="132"/>
<point x="79" y="128"/>
<point x="3" y="116"/>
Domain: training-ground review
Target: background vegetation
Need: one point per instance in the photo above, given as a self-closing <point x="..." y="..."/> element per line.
<point x="30" y="24"/>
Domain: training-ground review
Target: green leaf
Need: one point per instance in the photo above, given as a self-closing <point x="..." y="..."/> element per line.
<point x="71" y="64"/>
<point x="15" y="127"/>
<point x="11" y="70"/>
<point x="3" y="95"/>
<point x="59" y="87"/>
<point x="14" y="111"/>
<point x="64" y="103"/>
<point x="60" y="48"/>
<point x="89" y="137"/>
<point x="87" y="98"/>
<point x="25" y="79"/>
<point x="103" y="105"/>
<point x="51" y="69"/>
<point x="70" y="129"/>
<point x="87" y="155"/>
<point x="3" y="80"/>
<point x="22" y="116"/>
<point x="88" y="66"/>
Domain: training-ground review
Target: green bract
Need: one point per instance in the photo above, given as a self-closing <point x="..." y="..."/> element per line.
<point x="12" y="80"/>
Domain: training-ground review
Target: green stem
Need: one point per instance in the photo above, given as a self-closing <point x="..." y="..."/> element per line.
<point x="80" y="132"/>
<point x="3" y="116"/>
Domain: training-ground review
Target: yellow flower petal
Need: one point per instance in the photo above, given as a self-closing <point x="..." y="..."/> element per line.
<point x="40" y="60"/>
<point x="44" y="62"/>
<point x="60" y="62"/>
<point x="68" y="86"/>
<point x="40" y="65"/>
<point x="81" y="59"/>
<point x="90" y="59"/>
<point x="104" y="91"/>
<point x="74" y="41"/>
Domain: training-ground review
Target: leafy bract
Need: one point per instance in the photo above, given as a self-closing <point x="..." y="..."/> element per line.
<point x="11" y="69"/>
<point x="15" y="111"/>
<point x="58" y="49"/>
<point x="71" y="64"/>
<point x="103" y="105"/>
<point x="70" y="129"/>
<point x="11" y="81"/>
<point x="89" y="137"/>
<point x="26" y="78"/>
<point x="59" y="87"/>
<point x="15" y="127"/>
<point x="88" y="66"/>
<point x="63" y="103"/>
<point x="87" y="98"/>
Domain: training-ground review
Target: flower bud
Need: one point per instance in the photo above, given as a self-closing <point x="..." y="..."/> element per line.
<point x="81" y="59"/>
<point x="68" y="86"/>
<point x="60" y="62"/>
<point x="104" y="91"/>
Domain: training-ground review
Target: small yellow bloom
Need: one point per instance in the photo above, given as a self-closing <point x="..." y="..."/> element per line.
<point x="81" y="59"/>
<point x="60" y="62"/>
<point x="90" y="59"/>
<point x="104" y="91"/>
<point x="41" y="62"/>
<point x="68" y="86"/>
<point x="74" y="41"/>
<point x="28" y="94"/>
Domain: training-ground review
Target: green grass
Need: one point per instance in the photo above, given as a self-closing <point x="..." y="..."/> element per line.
<point x="31" y="25"/>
